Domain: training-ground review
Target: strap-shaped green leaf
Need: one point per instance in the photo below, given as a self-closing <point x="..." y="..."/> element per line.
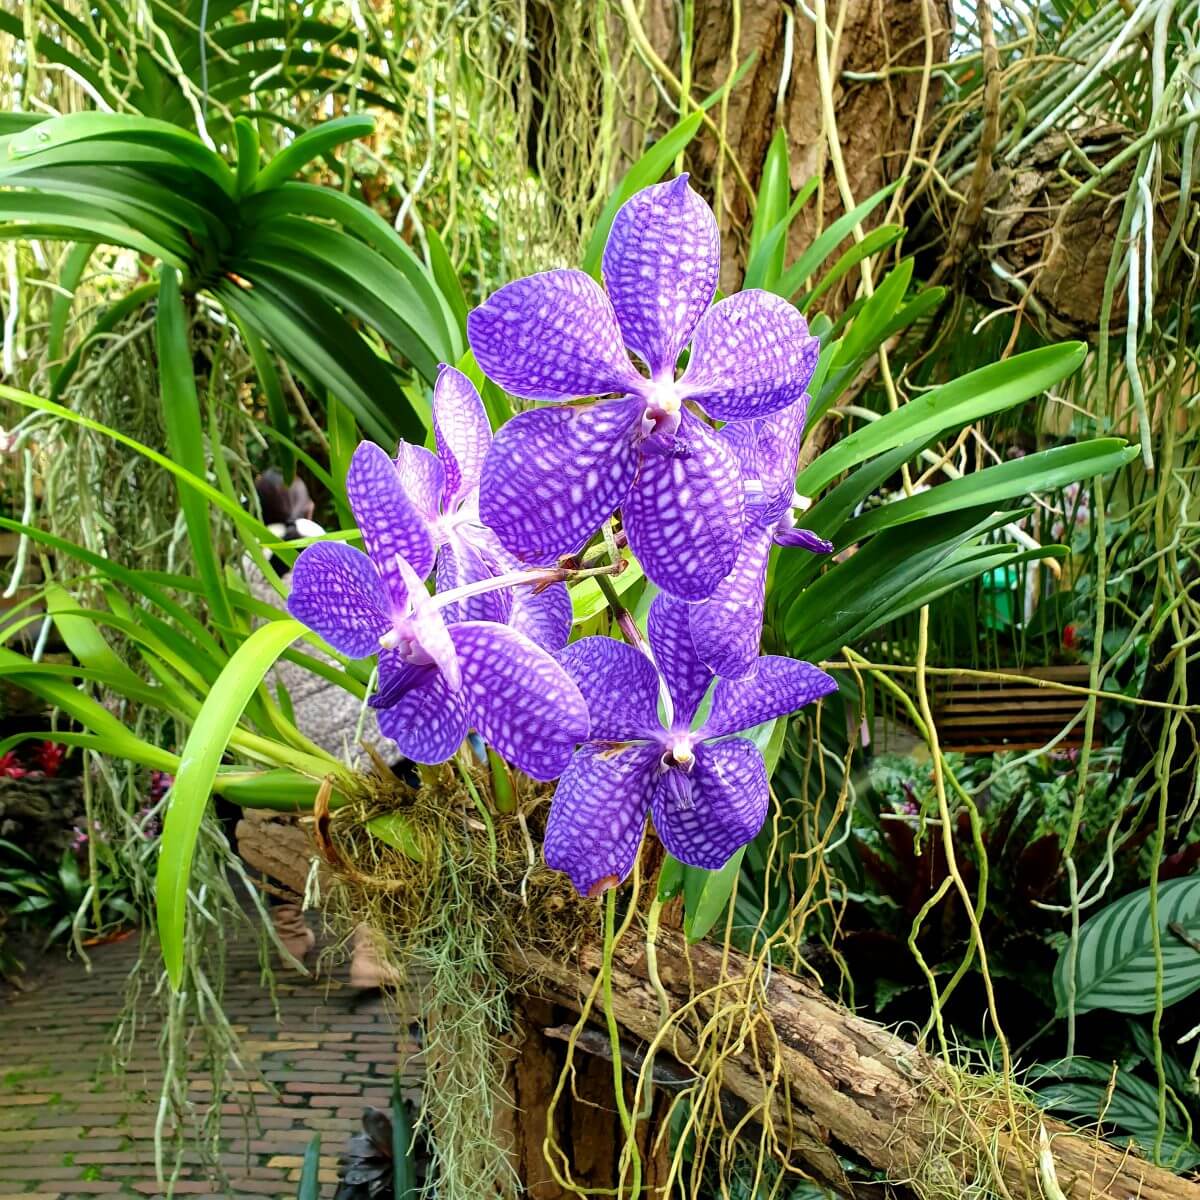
<point x="215" y="723"/>
<point x="989" y="390"/>
<point x="1114" y="962"/>
<point x="310" y="145"/>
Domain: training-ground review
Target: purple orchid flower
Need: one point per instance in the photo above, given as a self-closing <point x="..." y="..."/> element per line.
<point x="443" y="487"/>
<point x="706" y="787"/>
<point x="727" y="627"/>
<point x="437" y="680"/>
<point x="553" y="476"/>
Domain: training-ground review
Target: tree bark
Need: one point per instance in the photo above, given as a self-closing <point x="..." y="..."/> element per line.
<point x="876" y="117"/>
<point x="850" y="1083"/>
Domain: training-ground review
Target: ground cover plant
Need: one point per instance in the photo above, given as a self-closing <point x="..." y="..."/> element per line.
<point x="663" y="486"/>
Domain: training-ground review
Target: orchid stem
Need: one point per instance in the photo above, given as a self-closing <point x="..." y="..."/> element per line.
<point x="531" y="576"/>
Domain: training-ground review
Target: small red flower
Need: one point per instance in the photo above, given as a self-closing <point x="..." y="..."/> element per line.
<point x="10" y="768"/>
<point x="49" y="757"/>
<point x="1070" y="639"/>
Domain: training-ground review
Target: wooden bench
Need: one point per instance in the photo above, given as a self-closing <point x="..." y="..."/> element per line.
<point x="982" y="716"/>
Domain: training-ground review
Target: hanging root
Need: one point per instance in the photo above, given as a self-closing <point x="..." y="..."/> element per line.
<point x="442" y="926"/>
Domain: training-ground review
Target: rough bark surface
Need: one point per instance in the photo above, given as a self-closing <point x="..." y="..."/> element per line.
<point x="876" y="118"/>
<point x="849" y="1083"/>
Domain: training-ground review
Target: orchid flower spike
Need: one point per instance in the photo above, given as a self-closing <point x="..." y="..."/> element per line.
<point x="727" y="627"/>
<point x="443" y="488"/>
<point x="436" y="680"/>
<point x="554" y="475"/>
<point x="706" y="787"/>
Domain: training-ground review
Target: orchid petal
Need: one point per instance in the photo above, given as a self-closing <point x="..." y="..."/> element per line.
<point x="461" y="561"/>
<point x="805" y="539"/>
<point x="462" y="432"/>
<point x="554" y="475"/>
<point x="687" y="677"/>
<point x="599" y="814"/>
<point x="388" y="519"/>
<point x="429" y="627"/>
<point x="620" y="686"/>
<point x="728" y="804"/>
<point x="752" y="355"/>
<point x="552" y="336"/>
<point x="397" y="678"/>
<point x="768" y="452"/>
<point x="337" y="593"/>
<point x="660" y="268"/>
<point x="518" y="698"/>
<point x="428" y="723"/>
<point x="727" y="627"/>
<point x="776" y="687"/>
<point x="685" y="514"/>
<point x="544" y="616"/>
<point x="422" y="477"/>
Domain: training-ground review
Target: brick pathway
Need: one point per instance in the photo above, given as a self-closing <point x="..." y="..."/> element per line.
<point x="70" y="1128"/>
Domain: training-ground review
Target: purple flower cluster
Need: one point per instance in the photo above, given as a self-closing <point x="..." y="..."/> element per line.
<point x="632" y="730"/>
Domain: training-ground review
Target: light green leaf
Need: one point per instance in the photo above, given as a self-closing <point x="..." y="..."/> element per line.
<point x="1114" y="965"/>
<point x="312" y="144"/>
<point x="981" y="393"/>
<point x="216" y="721"/>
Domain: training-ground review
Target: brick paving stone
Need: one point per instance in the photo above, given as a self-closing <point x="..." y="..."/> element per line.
<point x="73" y="1126"/>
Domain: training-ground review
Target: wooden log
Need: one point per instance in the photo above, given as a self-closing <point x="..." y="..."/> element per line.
<point x="850" y="1083"/>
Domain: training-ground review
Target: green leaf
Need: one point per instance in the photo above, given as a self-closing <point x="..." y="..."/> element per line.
<point x="1041" y="472"/>
<point x="447" y="280"/>
<point x="395" y="830"/>
<point x="773" y="215"/>
<point x="648" y="169"/>
<point x="60" y="306"/>
<point x="310" y="1172"/>
<point x="200" y="759"/>
<point x="706" y="894"/>
<point x="825" y="243"/>
<point x="670" y="878"/>
<point x="310" y="145"/>
<point x="404" y="1167"/>
<point x="185" y="436"/>
<point x="981" y="393"/>
<point x="1114" y="965"/>
<point x="874" y="242"/>
<point x="858" y="593"/>
<point x="247" y="154"/>
<point x="87" y="644"/>
<point x="588" y="601"/>
<point x="277" y="409"/>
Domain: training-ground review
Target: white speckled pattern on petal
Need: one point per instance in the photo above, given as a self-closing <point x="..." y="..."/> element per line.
<point x="551" y="336"/>
<point x="729" y="801"/>
<point x="462" y="433"/>
<point x="660" y="267"/>
<point x="337" y="593"/>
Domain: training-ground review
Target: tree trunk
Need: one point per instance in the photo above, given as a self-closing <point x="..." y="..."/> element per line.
<point x="876" y="117"/>
<point x="849" y="1083"/>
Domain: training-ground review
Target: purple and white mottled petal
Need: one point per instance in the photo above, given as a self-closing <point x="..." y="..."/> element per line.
<point x="337" y="593"/>
<point x="777" y="686"/>
<point x="598" y="814"/>
<point x="669" y="629"/>
<point x="554" y="475"/>
<point x="544" y="617"/>
<point x="396" y="679"/>
<point x="460" y="562"/>
<point x="752" y="355"/>
<point x="727" y="627"/>
<point x="619" y="685"/>
<point x="422" y="477"/>
<point x="518" y="698"/>
<point x="462" y="433"/>
<point x="428" y="723"/>
<point x="552" y="336"/>
<point x="729" y="801"/>
<point x="805" y="539"/>
<point x="660" y="268"/>
<point x="429" y="628"/>
<point x="388" y="519"/>
<point x="768" y="450"/>
<point x="685" y="513"/>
